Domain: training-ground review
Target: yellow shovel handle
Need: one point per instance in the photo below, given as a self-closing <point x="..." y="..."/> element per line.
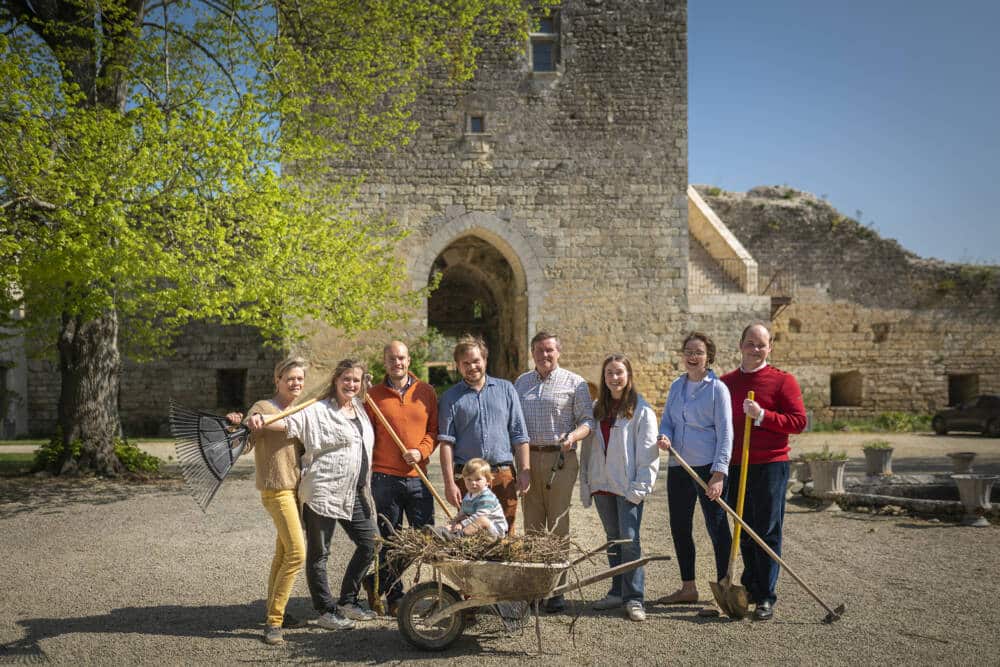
<point x="744" y="460"/>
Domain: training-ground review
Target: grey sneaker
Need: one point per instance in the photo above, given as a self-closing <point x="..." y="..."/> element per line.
<point x="608" y="602"/>
<point x="635" y="611"/>
<point x="272" y="635"/>
<point x="334" y="621"/>
<point x="356" y="612"/>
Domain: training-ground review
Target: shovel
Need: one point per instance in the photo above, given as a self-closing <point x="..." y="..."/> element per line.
<point x="732" y="598"/>
<point x="832" y="614"/>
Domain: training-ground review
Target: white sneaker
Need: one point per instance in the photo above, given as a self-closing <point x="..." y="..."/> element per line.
<point x="356" y="612"/>
<point x="608" y="602"/>
<point x="334" y="621"/>
<point x="635" y="611"/>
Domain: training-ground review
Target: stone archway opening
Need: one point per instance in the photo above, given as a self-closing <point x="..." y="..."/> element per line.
<point x="480" y="293"/>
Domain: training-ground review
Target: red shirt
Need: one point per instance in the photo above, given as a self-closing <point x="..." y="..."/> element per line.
<point x="779" y="394"/>
<point x="413" y="416"/>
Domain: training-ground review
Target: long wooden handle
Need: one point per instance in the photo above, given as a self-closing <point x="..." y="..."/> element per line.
<point x="744" y="460"/>
<point x="290" y="411"/>
<point x="402" y="449"/>
<point x="833" y="614"/>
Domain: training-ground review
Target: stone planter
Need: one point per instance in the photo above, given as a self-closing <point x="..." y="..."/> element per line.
<point x="961" y="462"/>
<point x="974" y="490"/>
<point x="828" y="476"/>
<point x="800" y="471"/>
<point x="878" y="462"/>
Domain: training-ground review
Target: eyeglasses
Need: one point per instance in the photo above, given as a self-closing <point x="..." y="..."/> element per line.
<point x="694" y="353"/>
<point x="748" y="346"/>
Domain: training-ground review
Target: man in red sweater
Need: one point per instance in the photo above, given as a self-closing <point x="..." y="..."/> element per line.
<point x="777" y="411"/>
<point x="410" y="407"/>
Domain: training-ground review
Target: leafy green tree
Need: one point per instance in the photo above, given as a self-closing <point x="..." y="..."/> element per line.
<point x="170" y="160"/>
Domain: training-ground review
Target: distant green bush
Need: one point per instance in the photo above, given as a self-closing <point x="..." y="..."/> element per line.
<point x="885" y="422"/>
<point x="134" y="459"/>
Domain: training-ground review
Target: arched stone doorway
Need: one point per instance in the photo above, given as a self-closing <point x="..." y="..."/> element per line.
<point x="482" y="292"/>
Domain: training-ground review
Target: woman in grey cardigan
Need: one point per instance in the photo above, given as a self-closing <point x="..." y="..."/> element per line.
<point x="697" y="423"/>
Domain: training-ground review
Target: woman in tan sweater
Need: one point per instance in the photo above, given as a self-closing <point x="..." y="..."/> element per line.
<point x="277" y="461"/>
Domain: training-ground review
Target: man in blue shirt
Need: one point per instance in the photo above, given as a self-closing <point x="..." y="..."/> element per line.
<point x="480" y="417"/>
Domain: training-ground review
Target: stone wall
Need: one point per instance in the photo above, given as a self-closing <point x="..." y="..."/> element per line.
<point x="578" y="181"/>
<point x="204" y="357"/>
<point x="871" y="327"/>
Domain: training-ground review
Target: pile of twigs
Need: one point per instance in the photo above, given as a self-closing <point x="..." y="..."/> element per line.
<point x="419" y="546"/>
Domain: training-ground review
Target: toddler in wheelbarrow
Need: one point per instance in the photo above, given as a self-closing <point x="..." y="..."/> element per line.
<point x="473" y="566"/>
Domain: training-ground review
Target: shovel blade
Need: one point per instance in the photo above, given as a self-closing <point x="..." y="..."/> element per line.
<point x="732" y="600"/>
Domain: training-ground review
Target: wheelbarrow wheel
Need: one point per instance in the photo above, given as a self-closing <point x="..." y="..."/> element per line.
<point x="422" y="601"/>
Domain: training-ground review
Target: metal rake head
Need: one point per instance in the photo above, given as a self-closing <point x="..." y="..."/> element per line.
<point x="207" y="446"/>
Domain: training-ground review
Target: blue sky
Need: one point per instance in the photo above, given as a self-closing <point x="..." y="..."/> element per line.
<point x="887" y="107"/>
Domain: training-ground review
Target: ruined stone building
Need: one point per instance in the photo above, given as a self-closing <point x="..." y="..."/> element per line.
<point x="551" y="192"/>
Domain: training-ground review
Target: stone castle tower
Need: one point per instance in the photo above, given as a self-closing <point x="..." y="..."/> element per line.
<point x="551" y="192"/>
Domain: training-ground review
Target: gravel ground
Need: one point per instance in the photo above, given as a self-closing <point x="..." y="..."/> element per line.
<point x="112" y="573"/>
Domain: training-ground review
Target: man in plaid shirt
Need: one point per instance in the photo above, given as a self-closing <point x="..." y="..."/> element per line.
<point x="558" y="412"/>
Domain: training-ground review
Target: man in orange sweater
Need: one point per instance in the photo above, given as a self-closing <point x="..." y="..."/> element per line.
<point x="410" y="407"/>
<point x="776" y="412"/>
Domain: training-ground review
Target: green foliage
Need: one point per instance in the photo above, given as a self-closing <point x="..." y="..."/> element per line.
<point x="885" y="422"/>
<point x="136" y="460"/>
<point x="824" y="455"/>
<point x="713" y="191"/>
<point x="876" y="444"/>
<point x="51" y="453"/>
<point x="144" y="172"/>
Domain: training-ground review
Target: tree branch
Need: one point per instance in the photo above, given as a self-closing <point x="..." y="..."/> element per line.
<point x="198" y="45"/>
<point x="32" y="200"/>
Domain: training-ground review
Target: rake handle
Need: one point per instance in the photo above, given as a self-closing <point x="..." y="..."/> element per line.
<point x="744" y="460"/>
<point x="832" y="614"/>
<point x="402" y="449"/>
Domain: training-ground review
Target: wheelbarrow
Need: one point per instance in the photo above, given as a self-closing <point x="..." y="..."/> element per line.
<point x="431" y="614"/>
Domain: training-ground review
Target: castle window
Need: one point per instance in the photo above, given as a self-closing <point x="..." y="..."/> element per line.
<point x="476" y="125"/>
<point x="544" y="47"/>
<point x="845" y="389"/>
<point x="230" y="387"/>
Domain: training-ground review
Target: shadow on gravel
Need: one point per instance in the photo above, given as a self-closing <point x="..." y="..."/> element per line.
<point x="20" y="495"/>
<point x="369" y="643"/>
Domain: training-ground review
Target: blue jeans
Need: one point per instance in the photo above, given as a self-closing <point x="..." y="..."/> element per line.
<point x="681" y="493"/>
<point x="394" y="498"/>
<point x="764" y="511"/>
<point x="319" y="533"/>
<point x="621" y="520"/>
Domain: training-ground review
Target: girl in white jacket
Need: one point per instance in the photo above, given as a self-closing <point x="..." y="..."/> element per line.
<point x="619" y="461"/>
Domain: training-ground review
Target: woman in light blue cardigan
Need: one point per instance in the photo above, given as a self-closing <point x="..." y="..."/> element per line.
<point x="698" y="424"/>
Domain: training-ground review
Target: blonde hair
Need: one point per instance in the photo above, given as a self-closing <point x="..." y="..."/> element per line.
<point x="477" y="468"/>
<point x="287" y="364"/>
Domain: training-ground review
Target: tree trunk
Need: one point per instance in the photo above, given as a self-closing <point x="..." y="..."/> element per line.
<point x="90" y="367"/>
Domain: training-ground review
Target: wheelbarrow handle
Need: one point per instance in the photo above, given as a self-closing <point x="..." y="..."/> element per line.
<point x="607" y="574"/>
<point x="833" y="614"/>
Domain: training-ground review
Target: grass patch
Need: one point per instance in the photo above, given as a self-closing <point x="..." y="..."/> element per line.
<point x="885" y="422"/>
<point x="16" y="464"/>
<point x="26" y="441"/>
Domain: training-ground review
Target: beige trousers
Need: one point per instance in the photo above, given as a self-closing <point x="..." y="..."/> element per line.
<point x="543" y="507"/>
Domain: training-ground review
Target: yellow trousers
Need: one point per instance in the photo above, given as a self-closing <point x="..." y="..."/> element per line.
<point x="289" y="551"/>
